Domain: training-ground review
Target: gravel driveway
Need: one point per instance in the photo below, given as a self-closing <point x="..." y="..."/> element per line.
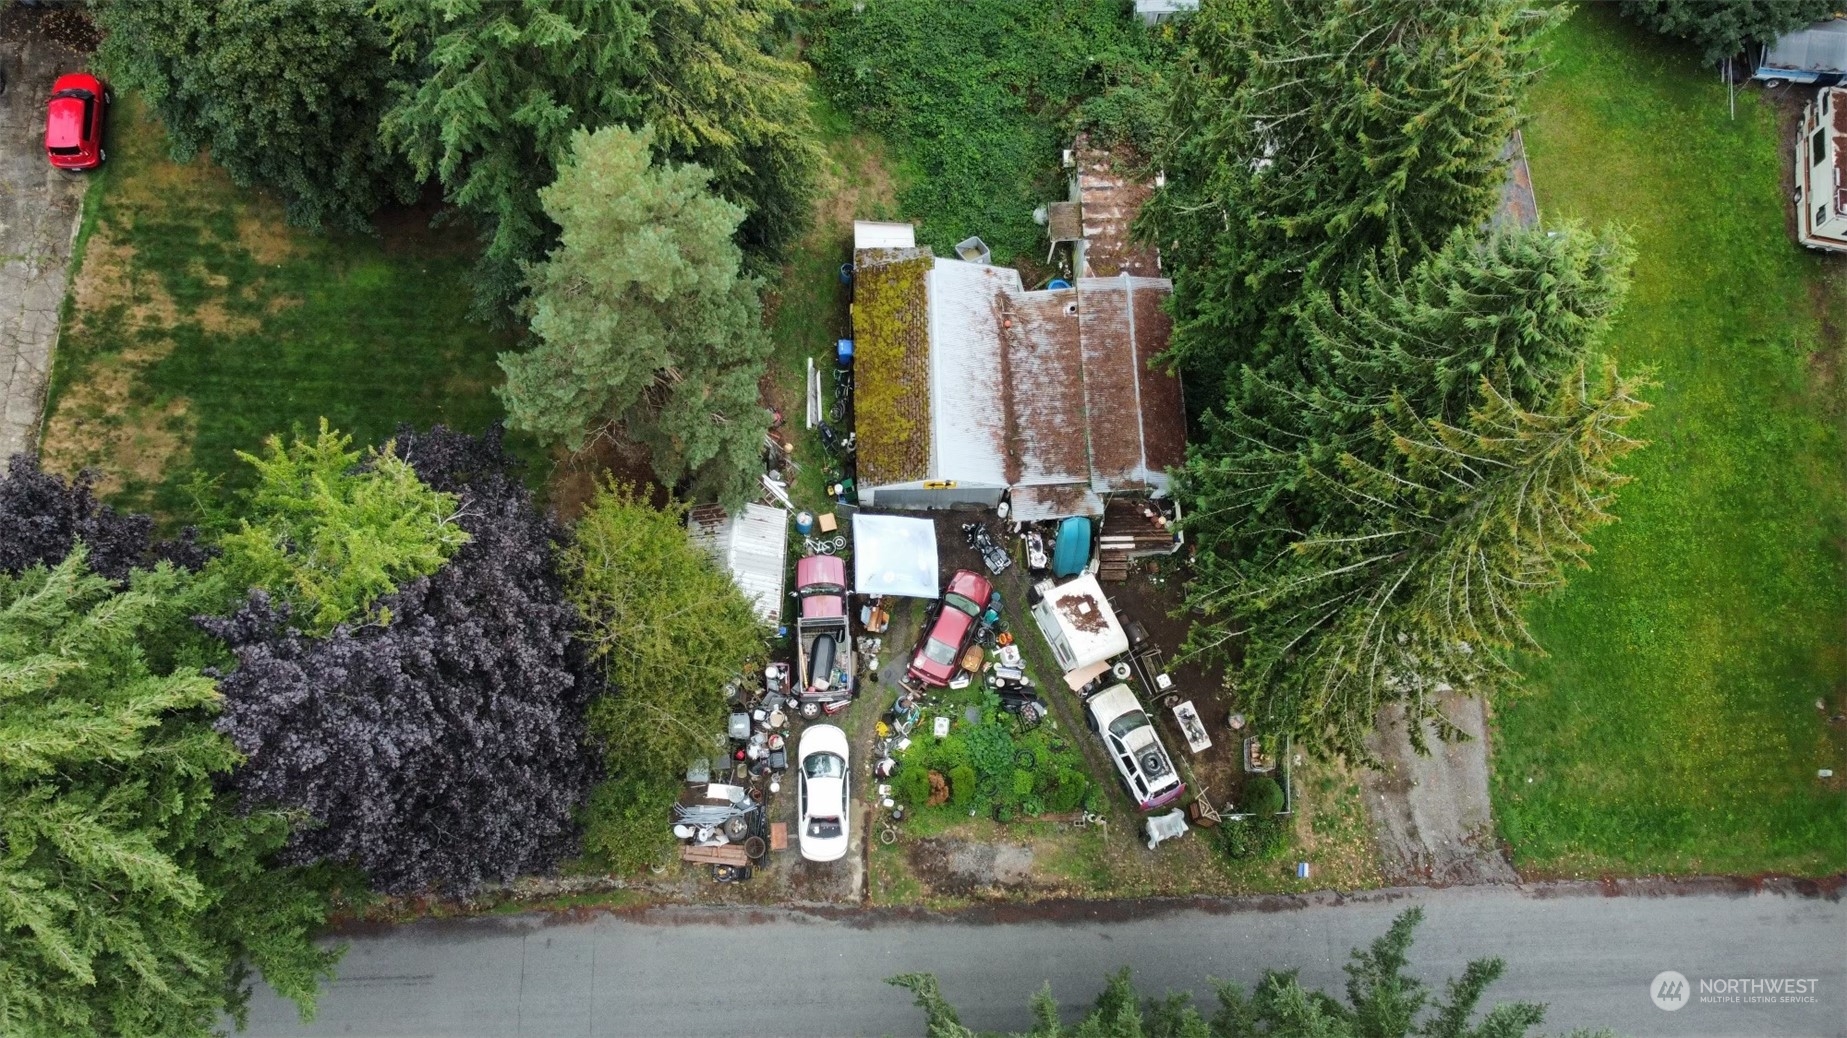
<point x="40" y="209"/>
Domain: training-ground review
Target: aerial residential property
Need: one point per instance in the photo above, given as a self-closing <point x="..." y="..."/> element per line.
<point x="1091" y="518"/>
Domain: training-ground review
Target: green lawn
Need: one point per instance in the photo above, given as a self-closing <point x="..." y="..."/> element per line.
<point x="1673" y="727"/>
<point x="198" y="324"/>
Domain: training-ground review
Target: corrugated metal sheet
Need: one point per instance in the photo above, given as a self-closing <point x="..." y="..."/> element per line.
<point x="752" y="546"/>
<point x="1118" y="416"/>
<point x="1045" y="389"/>
<point x="1519" y="208"/>
<point x="968" y="419"/>
<point x="1110" y="204"/>
<point x="1055" y="501"/>
<point x="874" y="234"/>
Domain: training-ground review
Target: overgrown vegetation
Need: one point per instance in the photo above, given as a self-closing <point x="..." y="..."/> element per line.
<point x="978" y="99"/>
<point x="1674" y="727"/>
<point x="995" y="766"/>
<point x="671" y="632"/>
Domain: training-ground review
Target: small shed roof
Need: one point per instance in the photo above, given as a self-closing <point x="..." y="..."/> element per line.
<point x="894" y="555"/>
<point x="752" y="546"/>
<point x="876" y="234"/>
<point x="1064" y="221"/>
<point x="1136" y="416"/>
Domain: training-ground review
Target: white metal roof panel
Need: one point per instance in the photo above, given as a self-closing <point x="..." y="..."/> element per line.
<point x="875" y="234"/>
<point x="1822" y="47"/>
<point x="1085" y="619"/>
<point x="752" y="546"/>
<point x="968" y="414"/>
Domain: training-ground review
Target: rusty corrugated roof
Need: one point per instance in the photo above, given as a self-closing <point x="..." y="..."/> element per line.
<point x="1110" y="204"/>
<point x="1122" y="326"/>
<point x="1045" y="389"/>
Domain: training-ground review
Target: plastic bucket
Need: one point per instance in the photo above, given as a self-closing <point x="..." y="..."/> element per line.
<point x="843" y="352"/>
<point x="1057" y="283"/>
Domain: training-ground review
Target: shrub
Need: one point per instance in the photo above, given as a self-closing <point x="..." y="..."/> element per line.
<point x="1003" y="814"/>
<point x="1022" y="783"/>
<point x="625" y="823"/>
<point x="1093" y="798"/>
<point x="912" y="784"/>
<point x="1251" y="838"/>
<point x="1262" y="796"/>
<point x="1067" y="791"/>
<point x="961" y="785"/>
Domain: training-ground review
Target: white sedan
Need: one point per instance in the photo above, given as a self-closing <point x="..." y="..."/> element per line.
<point x="821" y="794"/>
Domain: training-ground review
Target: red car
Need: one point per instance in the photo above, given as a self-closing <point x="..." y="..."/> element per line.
<point x="939" y="655"/>
<point x="74" y="122"/>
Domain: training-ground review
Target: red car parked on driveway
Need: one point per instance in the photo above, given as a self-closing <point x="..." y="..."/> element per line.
<point x="74" y="122"/>
<point x="958" y="614"/>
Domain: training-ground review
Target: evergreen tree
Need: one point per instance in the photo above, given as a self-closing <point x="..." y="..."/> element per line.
<point x="133" y="897"/>
<point x="644" y="319"/>
<point x="328" y="534"/>
<point x="499" y="89"/>
<point x="1426" y="589"/>
<point x="1312" y="136"/>
<point x="1722" y="30"/>
<point x="1383" y="1001"/>
<point x="285" y="94"/>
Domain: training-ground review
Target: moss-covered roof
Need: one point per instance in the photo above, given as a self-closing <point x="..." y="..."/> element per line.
<point x="891" y="364"/>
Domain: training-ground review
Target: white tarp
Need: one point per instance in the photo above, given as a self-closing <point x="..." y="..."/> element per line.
<point x="895" y="555"/>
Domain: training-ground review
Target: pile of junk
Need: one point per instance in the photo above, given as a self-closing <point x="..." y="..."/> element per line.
<point x="722" y="818"/>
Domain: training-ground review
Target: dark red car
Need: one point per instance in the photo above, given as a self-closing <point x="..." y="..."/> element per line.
<point x="939" y="654"/>
<point x="74" y="122"/>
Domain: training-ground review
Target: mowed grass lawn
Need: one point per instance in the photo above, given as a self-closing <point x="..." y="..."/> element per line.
<point x="199" y="323"/>
<point x="1673" y="726"/>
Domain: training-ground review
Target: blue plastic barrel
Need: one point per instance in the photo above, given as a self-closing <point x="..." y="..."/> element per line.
<point x="843" y="352"/>
<point x="804" y="523"/>
<point x="1057" y="283"/>
<point x="846" y="273"/>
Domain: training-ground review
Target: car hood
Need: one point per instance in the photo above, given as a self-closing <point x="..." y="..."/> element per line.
<point x="64" y="123"/>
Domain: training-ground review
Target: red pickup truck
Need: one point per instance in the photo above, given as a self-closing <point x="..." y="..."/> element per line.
<point x="823" y="644"/>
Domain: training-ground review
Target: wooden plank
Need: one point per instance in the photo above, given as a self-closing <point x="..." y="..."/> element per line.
<point x="779" y="836"/>
<point x="728" y="854"/>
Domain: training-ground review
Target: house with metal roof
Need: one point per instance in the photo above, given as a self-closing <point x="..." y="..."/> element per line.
<point x="970" y="388"/>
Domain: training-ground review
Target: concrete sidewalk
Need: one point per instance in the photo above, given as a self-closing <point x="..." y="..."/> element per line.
<point x="40" y="210"/>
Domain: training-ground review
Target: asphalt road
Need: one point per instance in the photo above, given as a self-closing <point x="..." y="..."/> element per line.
<point x="750" y="973"/>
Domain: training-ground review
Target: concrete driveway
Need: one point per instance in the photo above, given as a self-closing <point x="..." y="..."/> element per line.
<point x="40" y="209"/>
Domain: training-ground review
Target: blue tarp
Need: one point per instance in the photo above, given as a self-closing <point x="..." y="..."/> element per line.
<point x="1071" y="552"/>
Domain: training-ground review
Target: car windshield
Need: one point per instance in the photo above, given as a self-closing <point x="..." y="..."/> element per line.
<point x="65" y="151"/>
<point x="824" y="766"/>
<point x="1122" y="726"/>
<point x="939" y="652"/>
<point x="962" y="603"/>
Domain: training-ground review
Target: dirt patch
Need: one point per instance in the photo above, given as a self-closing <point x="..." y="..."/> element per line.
<point x="102" y="426"/>
<point x="266" y="237"/>
<point x="111" y="278"/>
<point x="575" y="474"/>
<point x="959" y="868"/>
<point x="1431" y="813"/>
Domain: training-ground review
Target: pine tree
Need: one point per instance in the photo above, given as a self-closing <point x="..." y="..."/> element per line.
<point x="499" y="89"/>
<point x="1423" y="595"/>
<point x="1722" y="30"/>
<point x="1311" y="136"/>
<point x="133" y="896"/>
<point x="645" y="320"/>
